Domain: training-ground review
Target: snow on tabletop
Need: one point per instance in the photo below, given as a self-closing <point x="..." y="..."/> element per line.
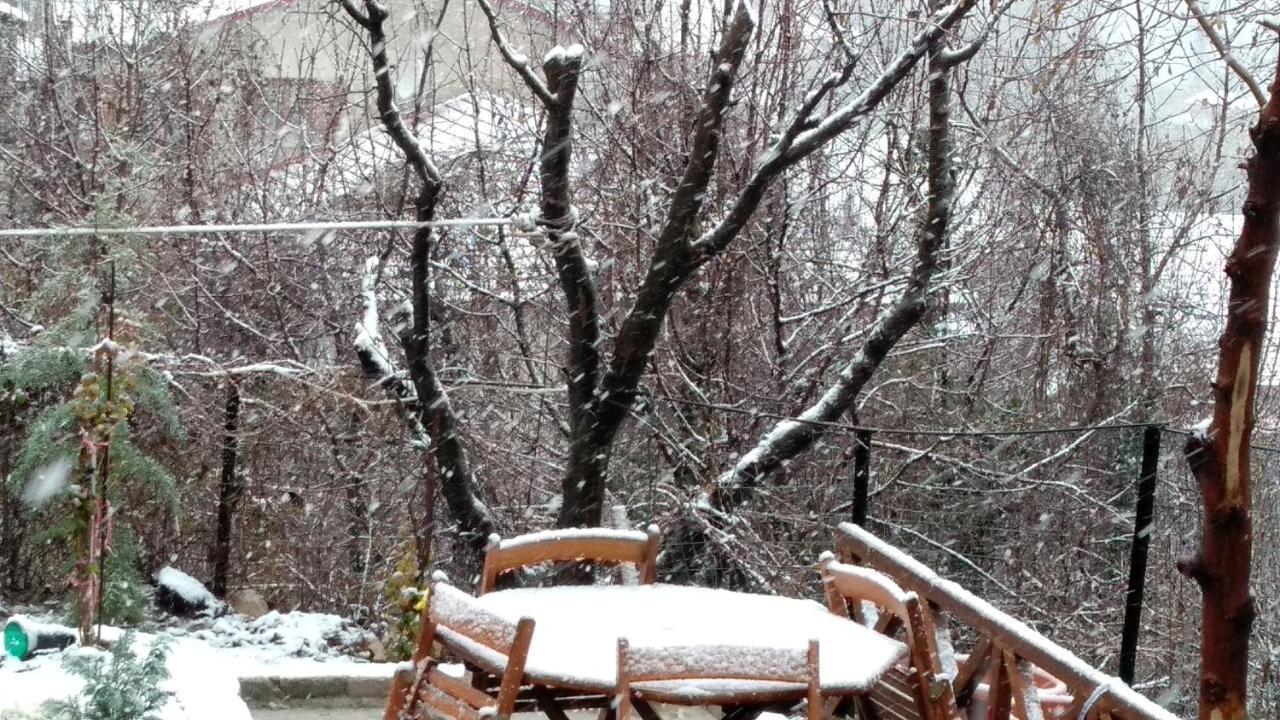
<point x="574" y="534"/>
<point x="185" y="586"/>
<point x="577" y="629"/>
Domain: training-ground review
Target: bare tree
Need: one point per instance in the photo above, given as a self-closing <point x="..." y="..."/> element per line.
<point x="435" y="411"/>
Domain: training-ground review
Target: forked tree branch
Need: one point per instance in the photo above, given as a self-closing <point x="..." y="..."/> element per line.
<point x="517" y="61"/>
<point x="791" y="437"/>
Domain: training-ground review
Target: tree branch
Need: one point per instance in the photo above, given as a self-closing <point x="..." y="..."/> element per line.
<point x="518" y="61"/>
<point x="372" y="20"/>
<point x="1221" y="46"/>
<point x="672" y="262"/>
<point x="435" y="418"/>
<point x="791" y="437"/>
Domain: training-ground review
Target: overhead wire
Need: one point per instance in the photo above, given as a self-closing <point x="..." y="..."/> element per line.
<point x="519" y="222"/>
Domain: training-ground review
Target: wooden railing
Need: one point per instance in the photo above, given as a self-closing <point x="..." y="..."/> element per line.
<point x="1000" y="671"/>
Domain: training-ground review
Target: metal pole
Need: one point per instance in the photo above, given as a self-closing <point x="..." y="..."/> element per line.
<point x="861" y="475"/>
<point x="1143" y="519"/>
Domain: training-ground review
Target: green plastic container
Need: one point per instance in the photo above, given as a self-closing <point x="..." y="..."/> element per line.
<point x="16" y="642"/>
<point x="24" y="638"/>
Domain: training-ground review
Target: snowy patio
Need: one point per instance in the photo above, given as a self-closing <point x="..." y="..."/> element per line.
<point x="894" y="642"/>
<point x="882" y="649"/>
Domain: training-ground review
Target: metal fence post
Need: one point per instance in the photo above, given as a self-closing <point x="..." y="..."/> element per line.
<point x="1143" y="518"/>
<point x="861" y="475"/>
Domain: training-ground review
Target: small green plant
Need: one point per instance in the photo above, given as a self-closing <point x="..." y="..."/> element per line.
<point x="118" y="685"/>
<point x="405" y="604"/>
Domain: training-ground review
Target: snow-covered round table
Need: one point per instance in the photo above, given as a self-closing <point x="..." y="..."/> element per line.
<point x="575" y="638"/>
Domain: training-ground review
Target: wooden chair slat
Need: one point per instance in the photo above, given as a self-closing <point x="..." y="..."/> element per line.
<point x="1023" y="686"/>
<point x="890" y="694"/>
<point x="459" y="689"/>
<point x="901" y="690"/>
<point x="893" y="705"/>
<point x="1000" y="700"/>
<point x="446" y="706"/>
<point x="970" y="669"/>
<point x="601" y="545"/>
<point x="457" y="613"/>
<point x="639" y="665"/>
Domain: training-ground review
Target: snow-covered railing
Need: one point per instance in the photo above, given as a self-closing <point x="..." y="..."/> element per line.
<point x="1005" y="649"/>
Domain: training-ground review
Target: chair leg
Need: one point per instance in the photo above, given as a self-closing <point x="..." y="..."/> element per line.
<point x="643" y="709"/>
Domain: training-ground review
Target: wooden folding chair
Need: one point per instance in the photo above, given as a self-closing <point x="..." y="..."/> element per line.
<point x="911" y="691"/>
<point x="661" y="673"/>
<point x="484" y="638"/>
<point x="600" y="545"/>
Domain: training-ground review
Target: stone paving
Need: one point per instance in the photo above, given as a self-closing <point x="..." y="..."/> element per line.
<point x="310" y="713"/>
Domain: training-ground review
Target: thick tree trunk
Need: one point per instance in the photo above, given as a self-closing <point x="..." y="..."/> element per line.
<point x="433" y="408"/>
<point x="229" y="493"/>
<point x="1219" y="457"/>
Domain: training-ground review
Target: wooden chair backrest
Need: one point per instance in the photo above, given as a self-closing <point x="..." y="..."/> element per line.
<point x="640" y="663"/>
<point x="903" y="693"/>
<point x="602" y="545"/>
<point x="850" y="585"/>
<point x="458" y="613"/>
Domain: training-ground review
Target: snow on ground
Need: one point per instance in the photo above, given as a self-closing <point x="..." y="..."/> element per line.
<point x="204" y="685"/>
<point x="208" y="658"/>
<point x="314" y="636"/>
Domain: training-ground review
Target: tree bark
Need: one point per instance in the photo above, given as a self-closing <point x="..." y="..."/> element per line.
<point x="433" y="410"/>
<point x="230" y="490"/>
<point x="11" y="524"/>
<point x="1220" y="457"/>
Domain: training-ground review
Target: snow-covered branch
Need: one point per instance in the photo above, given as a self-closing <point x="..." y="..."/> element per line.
<point x="1220" y="45"/>
<point x="369" y="346"/>
<point x="517" y="60"/>
<point x="790" y="437"/>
